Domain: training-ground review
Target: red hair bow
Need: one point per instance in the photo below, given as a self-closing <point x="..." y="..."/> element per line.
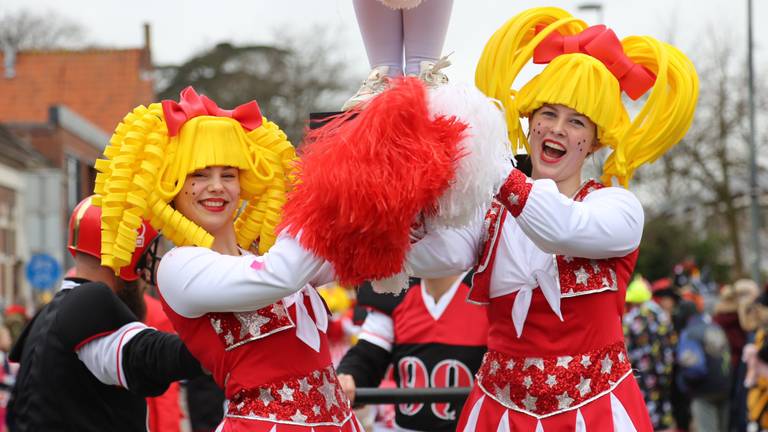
<point x="192" y="105"/>
<point x="601" y="43"/>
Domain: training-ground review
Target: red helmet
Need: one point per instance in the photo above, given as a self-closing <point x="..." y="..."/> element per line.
<point x="85" y="236"/>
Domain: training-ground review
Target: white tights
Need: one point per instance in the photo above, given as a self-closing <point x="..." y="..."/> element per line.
<point x="390" y="36"/>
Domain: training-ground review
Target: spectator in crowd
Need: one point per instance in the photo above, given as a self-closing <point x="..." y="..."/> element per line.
<point x="666" y="295"/>
<point x="650" y="345"/>
<point x="704" y="368"/>
<point x="756" y="358"/>
<point x="732" y="314"/>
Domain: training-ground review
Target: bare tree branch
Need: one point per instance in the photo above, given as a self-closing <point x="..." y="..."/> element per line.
<point x="26" y="30"/>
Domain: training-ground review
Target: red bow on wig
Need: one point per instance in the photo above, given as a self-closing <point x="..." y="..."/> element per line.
<point x="601" y="43"/>
<point x="192" y="105"/>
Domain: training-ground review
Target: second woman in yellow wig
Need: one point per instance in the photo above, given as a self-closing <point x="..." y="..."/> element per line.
<point x="214" y="181"/>
<point x="555" y="253"/>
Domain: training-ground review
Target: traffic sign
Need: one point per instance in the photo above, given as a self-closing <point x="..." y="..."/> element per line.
<point x="43" y="271"/>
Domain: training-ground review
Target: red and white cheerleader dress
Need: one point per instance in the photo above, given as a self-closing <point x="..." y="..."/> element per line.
<point x="261" y="332"/>
<point x="554" y="271"/>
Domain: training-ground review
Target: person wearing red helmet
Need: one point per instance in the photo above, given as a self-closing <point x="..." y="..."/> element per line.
<point x="87" y="361"/>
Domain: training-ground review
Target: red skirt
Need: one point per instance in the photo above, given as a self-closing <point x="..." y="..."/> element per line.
<point x="621" y="410"/>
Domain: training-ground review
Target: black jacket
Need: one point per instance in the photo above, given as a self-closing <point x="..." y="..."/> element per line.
<point x="54" y="390"/>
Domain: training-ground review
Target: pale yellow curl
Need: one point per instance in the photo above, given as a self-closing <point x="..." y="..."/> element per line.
<point x="145" y="169"/>
<point x="585" y="85"/>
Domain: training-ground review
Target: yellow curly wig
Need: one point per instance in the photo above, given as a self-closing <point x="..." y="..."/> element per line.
<point x="584" y="84"/>
<point x="145" y="168"/>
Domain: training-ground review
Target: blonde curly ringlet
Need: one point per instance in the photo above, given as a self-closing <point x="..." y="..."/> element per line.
<point x="145" y="169"/>
<point x="584" y="84"/>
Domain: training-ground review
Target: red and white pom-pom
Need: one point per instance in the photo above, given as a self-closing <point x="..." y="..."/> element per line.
<point x="366" y="176"/>
<point x="486" y="153"/>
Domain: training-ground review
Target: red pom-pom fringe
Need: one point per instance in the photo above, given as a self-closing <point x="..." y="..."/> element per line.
<point x="364" y="177"/>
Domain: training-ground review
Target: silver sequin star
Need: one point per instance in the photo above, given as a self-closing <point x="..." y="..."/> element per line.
<point x="286" y="393"/>
<point x="328" y="391"/>
<point x="279" y="310"/>
<point x="229" y="339"/>
<point x="502" y="394"/>
<point x="567" y="258"/>
<point x="265" y="396"/>
<point x="316" y="409"/>
<point x="530" y="402"/>
<point x="533" y="361"/>
<point x="564" y="361"/>
<point x="250" y="323"/>
<point x="582" y="277"/>
<point x="304" y="386"/>
<point x="510" y="364"/>
<point x="564" y="401"/>
<point x="604" y="283"/>
<point x="606" y="364"/>
<point x="595" y="266"/>
<point x="584" y="386"/>
<point x="621" y="357"/>
<point x="527" y="382"/>
<point x="494" y="367"/>
<point x="586" y="360"/>
<point x="299" y="417"/>
<point x="614" y="285"/>
<point x="551" y="380"/>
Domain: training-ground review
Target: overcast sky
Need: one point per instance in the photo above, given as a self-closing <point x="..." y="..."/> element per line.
<point x="182" y="27"/>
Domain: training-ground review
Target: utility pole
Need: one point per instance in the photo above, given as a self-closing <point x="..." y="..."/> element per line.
<point x="754" y="190"/>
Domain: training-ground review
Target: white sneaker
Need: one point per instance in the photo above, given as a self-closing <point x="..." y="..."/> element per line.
<point x="429" y="72"/>
<point x="377" y="82"/>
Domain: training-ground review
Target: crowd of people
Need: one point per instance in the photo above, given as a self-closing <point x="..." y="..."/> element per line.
<point x="519" y="277"/>
<point x="698" y="353"/>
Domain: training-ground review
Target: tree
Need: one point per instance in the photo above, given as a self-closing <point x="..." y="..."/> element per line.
<point x="25" y="30"/>
<point x="704" y="179"/>
<point x="667" y="242"/>
<point x="289" y="80"/>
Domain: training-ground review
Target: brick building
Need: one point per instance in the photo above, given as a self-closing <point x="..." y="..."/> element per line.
<point x="63" y="105"/>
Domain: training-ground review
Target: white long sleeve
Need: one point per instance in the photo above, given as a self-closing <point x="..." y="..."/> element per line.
<point x="446" y="252"/>
<point x="103" y="355"/>
<point x="195" y="280"/>
<point x="378" y="329"/>
<point x="608" y="223"/>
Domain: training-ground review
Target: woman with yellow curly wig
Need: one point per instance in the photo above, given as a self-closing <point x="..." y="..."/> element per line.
<point x="214" y="182"/>
<point x="556" y="252"/>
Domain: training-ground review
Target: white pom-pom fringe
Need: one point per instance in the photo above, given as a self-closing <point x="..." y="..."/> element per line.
<point x="401" y="4"/>
<point x="393" y="285"/>
<point x="486" y="163"/>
